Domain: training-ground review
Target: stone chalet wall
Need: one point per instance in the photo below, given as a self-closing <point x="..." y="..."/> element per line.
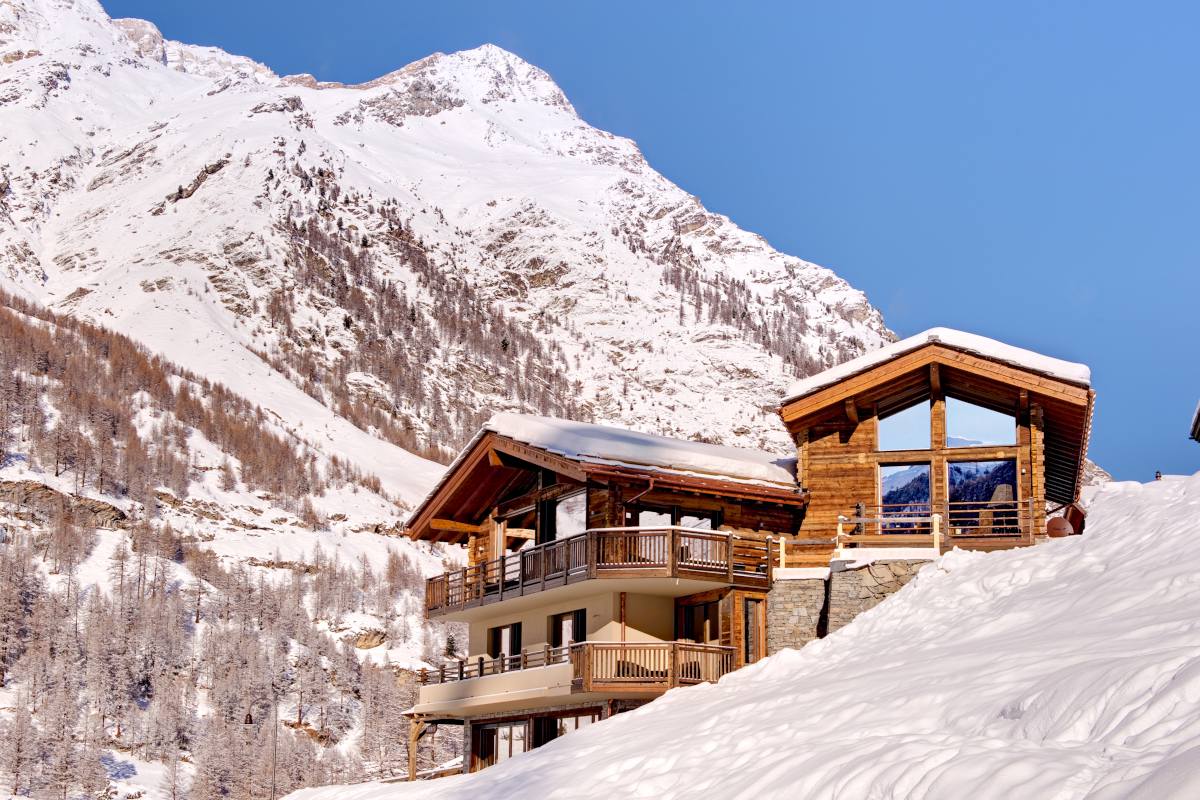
<point x="806" y="604"/>
<point x="853" y="591"/>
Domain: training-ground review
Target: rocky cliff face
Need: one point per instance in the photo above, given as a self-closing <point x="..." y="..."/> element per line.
<point x="383" y="265"/>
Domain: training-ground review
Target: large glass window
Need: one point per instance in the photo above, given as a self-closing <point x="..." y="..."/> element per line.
<point x="651" y="517"/>
<point x="661" y="517"/>
<point x="983" y="497"/>
<point x="904" y="492"/>
<point x="706" y="520"/>
<point x="907" y="429"/>
<point x="570" y="515"/>
<point x="969" y="425"/>
<point x="547" y="729"/>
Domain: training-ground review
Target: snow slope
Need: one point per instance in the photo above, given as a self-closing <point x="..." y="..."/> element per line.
<point x="162" y="190"/>
<point x="1067" y="670"/>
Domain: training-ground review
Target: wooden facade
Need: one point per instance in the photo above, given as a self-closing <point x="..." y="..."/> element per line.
<point x="665" y="574"/>
<point x="840" y="459"/>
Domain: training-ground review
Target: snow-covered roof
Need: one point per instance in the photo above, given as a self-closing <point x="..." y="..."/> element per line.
<point x="603" y="444"/>
<point x="959" y="340"/>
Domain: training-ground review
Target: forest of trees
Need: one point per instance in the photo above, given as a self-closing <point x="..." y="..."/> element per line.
<point x="188" y="663"/>
<point x="69" y="395"/>
<point x="171" y="659"/>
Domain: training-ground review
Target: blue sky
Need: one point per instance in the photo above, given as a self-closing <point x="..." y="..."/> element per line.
<point x="1023" y="170"/>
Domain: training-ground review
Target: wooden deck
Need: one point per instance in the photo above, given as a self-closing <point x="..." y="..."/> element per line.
<point x="668" y="552"/>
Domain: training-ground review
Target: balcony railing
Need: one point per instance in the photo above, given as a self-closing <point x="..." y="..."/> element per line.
<point x="636" y="666"/>
<point x="929" y="525"/>
<point x="671" y="552"/>
<point x="479" y="666"/>
<point x="604" y="666"/>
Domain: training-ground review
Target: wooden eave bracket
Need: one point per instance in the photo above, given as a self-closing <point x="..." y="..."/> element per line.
<point x="851" y="411"/>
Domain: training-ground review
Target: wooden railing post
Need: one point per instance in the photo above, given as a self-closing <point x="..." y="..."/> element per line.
<point x="729" y="554"/>
<point x="479" y="666"/>
<point x="673" y="551"/>
<point x="503" y="574"/>
<point x="462" y="669"/>
<point x="673" y="675"/>
<point x="937" y="532"/>
<point x="442" y="672"/>
<point x="770" y="562"/>
<point x="424" y="677"/>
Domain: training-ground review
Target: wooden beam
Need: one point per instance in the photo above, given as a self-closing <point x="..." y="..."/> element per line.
<point x="540" y="458"/>
<point x="416" y="729"/>
<point x="935" y="379"/>
<point x="456" y="527"/>
<point x="851" y="411"/>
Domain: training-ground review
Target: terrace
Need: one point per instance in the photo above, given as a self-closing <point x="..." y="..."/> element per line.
<point x="609" y="667"/>
<point x="671" y="552"/>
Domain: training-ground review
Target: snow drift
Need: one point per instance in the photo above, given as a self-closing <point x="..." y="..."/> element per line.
<point x="1068" y="670"/>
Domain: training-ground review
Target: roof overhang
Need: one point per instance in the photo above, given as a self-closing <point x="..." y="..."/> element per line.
<point x="493" y="463"/>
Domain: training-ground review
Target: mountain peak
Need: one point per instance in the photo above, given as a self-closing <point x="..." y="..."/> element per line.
<point x="486" y="73"/>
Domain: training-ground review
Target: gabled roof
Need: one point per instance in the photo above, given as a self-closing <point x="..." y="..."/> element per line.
<point x="967" y="366"/>
<point x="582" y="451"/>
<point x="1068" y="371"/>
<point x="602" y="444"/>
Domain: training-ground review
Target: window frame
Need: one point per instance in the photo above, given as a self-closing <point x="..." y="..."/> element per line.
<point x="578" y="619"/>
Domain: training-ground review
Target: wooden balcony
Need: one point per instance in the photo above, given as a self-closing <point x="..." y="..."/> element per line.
<point x="604" y="667"/>
<point x="614" y="667"/>
<point x="668" y="552"/>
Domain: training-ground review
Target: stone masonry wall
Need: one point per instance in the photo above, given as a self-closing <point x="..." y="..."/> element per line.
<point x="853" y="591"/>
<point x="794" y="612"/>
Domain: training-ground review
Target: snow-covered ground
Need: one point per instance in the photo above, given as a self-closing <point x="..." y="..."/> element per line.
<point x="1068" y="670"/>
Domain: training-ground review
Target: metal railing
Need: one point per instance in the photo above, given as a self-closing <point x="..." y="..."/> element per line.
<point x="928" y="525"/>
<point x="670" y="551"/>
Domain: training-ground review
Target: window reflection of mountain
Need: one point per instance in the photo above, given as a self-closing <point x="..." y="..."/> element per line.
<point x="976" y="481"/>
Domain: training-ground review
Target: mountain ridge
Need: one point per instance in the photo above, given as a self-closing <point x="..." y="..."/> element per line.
<point x="392" y="261"/>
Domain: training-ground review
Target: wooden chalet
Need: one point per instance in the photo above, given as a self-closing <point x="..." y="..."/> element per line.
<point x="944" y="429"/>
<point x="603" y="567"/>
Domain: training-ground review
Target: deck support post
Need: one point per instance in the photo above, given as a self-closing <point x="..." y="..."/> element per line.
<point x="416" y="729"/>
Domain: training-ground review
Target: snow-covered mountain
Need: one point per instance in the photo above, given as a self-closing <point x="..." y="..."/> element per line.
<point x="380" y="266"/>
